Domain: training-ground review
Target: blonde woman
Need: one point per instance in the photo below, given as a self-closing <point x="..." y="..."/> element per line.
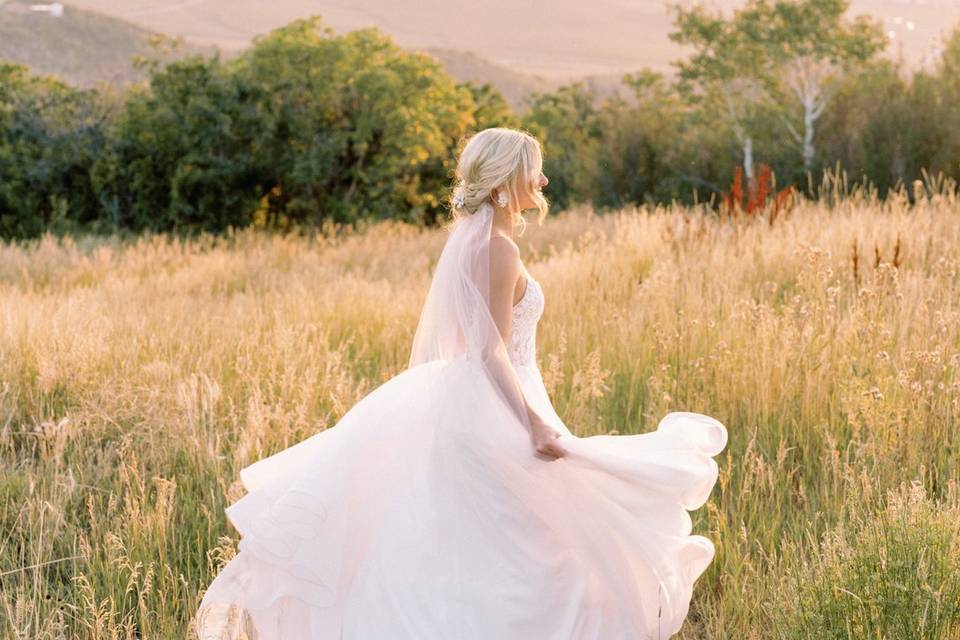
<point x="452" y="502"/>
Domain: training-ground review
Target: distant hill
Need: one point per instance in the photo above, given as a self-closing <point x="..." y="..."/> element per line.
<point x="550" y="38"/>
<point x="514" y="85"/>
<point x="557" y="39"/>
<point x="82" y="47"/>
<point x="85" y="47"/>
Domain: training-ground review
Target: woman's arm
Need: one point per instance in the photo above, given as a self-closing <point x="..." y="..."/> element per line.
<point x="504" y="273"/>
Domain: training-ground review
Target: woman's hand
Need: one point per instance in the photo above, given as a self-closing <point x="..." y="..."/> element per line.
<point x="544" y="438"/>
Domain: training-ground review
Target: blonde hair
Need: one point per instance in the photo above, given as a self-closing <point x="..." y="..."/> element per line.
<point x="499" y="159"/>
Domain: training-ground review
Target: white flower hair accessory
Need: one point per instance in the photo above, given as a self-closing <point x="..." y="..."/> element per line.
<point x="458" y="199"/>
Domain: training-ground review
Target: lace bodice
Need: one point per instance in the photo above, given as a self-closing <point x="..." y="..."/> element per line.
<point x="523" y="333"/>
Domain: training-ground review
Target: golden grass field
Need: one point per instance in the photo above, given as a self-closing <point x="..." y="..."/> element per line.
<point x="138" y="377"/>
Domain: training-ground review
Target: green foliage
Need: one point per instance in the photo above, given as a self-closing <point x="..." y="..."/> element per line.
<point x="308" y="127"/>
<point x="181" y="156"/>
<point x="490" y="108"/>
<point x="651" y="145"/>
<point x="875" y="129"/>
<point x="568" y="126"/>
<point x="353" y="125"/>
<point x="643" y="149"/>
<point x="50" y="135"/>
<point x="894" y="574"/>
<point x="773" y="61"/>
<point x="938" y="97"/>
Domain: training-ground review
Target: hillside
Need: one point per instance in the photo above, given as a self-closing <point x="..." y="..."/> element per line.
<point x="551" y="38"/>
<point x="534" y="51"/>
<point x="83" y="47"/>
<point x="86" y="47"/>
<point x="463" y="66"/>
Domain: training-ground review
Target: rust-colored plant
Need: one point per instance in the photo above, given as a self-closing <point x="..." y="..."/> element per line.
<point x="760" y="196"/>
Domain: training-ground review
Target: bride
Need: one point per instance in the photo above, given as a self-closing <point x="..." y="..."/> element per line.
<point x="452" y="502"/>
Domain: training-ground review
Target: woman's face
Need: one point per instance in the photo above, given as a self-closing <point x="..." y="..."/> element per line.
<point x="526" y="201"/>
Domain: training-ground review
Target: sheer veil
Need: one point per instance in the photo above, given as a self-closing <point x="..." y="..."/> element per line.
<point x="456" y="320"/>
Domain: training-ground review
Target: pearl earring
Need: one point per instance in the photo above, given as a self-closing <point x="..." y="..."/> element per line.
<point x="502" y="199"/>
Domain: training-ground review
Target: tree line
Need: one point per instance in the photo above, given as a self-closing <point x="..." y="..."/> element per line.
<point x="308" y="126"/>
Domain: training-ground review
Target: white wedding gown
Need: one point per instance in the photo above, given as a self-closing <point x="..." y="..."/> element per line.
<point x="419" y="519"/>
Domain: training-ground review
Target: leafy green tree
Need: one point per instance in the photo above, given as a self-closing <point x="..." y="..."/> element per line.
<point x="50" y="134"/>
<point x="864" y="131"/>
<point x="354" y="125"/>
<point x="641" y="142"/>
<point x="774" y="58"/>
<point x="568" y="126"/>
<point x="936" y="100"/>
<point x="490" y="108"/>
<point x="811" y="48"/>
<point x="727" y="67"/>
<point x="181" y="155"/>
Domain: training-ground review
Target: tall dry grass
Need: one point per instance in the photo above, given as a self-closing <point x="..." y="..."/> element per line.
<point x="137" y="378"/>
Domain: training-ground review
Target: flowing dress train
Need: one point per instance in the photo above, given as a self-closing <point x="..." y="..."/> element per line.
<point x="423" y="515"/>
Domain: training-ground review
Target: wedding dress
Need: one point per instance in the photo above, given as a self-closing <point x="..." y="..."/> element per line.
<point x="426" y="514"/>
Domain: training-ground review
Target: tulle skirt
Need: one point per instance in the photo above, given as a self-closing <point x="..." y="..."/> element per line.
<point x="423" y="514"/>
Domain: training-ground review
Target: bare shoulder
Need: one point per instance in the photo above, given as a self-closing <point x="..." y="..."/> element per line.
<point x="504" y="259"/>
<point x="503" y="248"/>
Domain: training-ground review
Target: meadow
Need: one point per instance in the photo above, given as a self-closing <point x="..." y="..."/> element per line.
<point x="137" y="377"/>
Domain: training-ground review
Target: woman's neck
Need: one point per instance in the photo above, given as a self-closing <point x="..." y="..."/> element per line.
<point x="503" y="221"/>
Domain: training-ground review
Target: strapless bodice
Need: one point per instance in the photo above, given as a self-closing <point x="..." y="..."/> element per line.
<point x="523" y="333"/>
